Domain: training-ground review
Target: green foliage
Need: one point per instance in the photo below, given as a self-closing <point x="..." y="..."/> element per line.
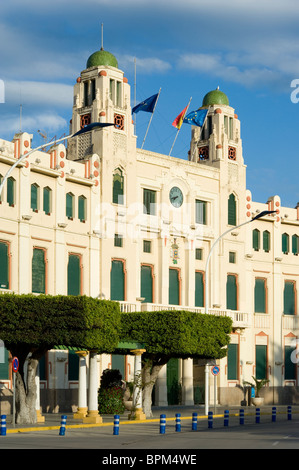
<point x="111" y="378"/>
<point x="257" y="385"/>
<point x="110" y="400"/>
<point x="178" y="333"/>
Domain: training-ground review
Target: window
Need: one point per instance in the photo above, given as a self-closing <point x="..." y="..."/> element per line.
<point x="289" y="296"/>
<point x="4" y="362"/>
<point x="174" y="287"/>
<point x="232" y="362"/>
<point x="261" y="361"/>
<point x="4" y="265"/>
<point x="266" y="241"/>
<point x="34" y="197"/>
<point x="260" y="295"/>
<point x="198" y="253"/>
<point x="82" y="208"/>
<point x="201" y="212"/>
<point x="289" y="365"/>
<point x="74" y="275"/>
<point x="285" y="243"/>
<point x="85" y="91"/>
<point x="231" y="292"/>
<point x="38" y="271"/>
<point x="93" y="89"/>
<point x="256" y="239"/>
<point x="146" y="283"/>
<point x="117" y="280"/>
<point x="149" y="202"/>
<point x="118" y="187"/>
<point x="147" y="246"/>
<point x="295" y="244"/>
<point x="232" y="257"/>
<point x="73" y="366"/>
<point x="199" y="289"/>
<point x="10" y="196"/>
<point x="47" y="200"/>
<point x="232" y="210"/>
<point x="118" y="240"/>
<point x="70" y="206"/>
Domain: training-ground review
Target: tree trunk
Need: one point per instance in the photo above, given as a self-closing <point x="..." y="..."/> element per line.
<point x="26" y="394"/>
<point x="150" y="374"/>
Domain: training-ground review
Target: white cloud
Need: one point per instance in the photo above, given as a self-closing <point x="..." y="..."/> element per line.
<point x="38" y="93"/>
<point x="144" y="65"/>
<point x="49" y="121"/>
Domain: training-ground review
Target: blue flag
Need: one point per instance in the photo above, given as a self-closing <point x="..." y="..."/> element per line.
<point x="196" y="118"/>
<point x="147" y="105"/>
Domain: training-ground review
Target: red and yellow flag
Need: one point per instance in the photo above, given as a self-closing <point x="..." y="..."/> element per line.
<point x="179" y="119"/>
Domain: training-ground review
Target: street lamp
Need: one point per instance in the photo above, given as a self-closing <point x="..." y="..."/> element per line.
<point x="207" y="300"/>
<point x="85" y="129"/>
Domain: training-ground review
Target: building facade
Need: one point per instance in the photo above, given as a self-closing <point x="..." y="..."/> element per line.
<point x="99" y="216"/>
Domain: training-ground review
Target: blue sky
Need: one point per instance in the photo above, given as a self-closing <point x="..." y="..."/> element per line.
<point x="250" y="49"/>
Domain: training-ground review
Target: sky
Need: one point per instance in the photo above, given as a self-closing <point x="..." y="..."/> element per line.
<point x="250" y="49"/>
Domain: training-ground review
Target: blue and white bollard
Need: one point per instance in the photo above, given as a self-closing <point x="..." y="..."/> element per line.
<point x="162" y="424"/>
<point x="289" y="413"/>
<point x="116" y="425"/>
<point x="62" y="427"/>
<point x="194" y="422"/>
<point x="226" y="417"/>
<point x="241" y="416"/>
<point x="3" y="425"/>
<point x="178" y="422"/>
<point x="210" y="419"/>
<point x="258" y="415"/>
<point x="273" y="414"/>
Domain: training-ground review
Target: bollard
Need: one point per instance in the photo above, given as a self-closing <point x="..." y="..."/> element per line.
<point x="241" y="416"/>
<point x="226" y="417"/>
<point x="194" y="422"/>
<point x="273" y="414"/>
<point x="210" y="419"/>
<point x="289" y="413"/>
<point x="258" y="415"/>
<point x="116" y="425"/>
<point x="3" y="425"/>
<point x="162" y="424"/>
<point x="178" y="422"/>
<point x="62" y="427"/>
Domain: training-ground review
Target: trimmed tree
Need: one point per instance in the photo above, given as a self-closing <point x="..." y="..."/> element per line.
<point x="31" y="325"/>
<point x="174" y="334"/>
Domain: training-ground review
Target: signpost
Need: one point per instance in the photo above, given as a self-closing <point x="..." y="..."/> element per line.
<point x="215" y="371"/>
<point x="15" y="368"/>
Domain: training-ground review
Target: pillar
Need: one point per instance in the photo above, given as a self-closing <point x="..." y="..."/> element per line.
<point x="82" y="391"/>
<point x="93" y="416"/>
<point x="187" y="382"/>
<point x="39" y="417"/>
<point x="161" y="388"/>
<point x="137" y="411"/>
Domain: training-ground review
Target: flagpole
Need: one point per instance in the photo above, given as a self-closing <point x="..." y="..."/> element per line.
<point x="177" y="133"/>
<point x="200" y="133"/>
<point x="151" y="118"/>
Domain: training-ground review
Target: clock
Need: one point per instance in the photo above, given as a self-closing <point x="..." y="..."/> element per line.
<point x="176" y="196"/>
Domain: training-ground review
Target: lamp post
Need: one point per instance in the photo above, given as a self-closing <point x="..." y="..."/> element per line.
<point x="207" y="298"/>
<point x="85" y="129"/>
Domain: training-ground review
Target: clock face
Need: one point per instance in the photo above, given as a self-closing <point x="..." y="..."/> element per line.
<point x="176" y="196"/>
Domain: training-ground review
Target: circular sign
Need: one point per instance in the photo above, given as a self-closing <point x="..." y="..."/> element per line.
<point x="215" y="370"/>
<point x="15" y="364"/>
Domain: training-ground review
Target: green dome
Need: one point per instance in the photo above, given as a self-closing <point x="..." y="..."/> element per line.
<point x="101" y="58"/>
<point x="215" y="97"/>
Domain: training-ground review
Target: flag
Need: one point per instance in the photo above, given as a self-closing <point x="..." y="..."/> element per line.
<point x="147" y="105"/>
<point x="179" y="119"/>
<point x="196" y="118"/>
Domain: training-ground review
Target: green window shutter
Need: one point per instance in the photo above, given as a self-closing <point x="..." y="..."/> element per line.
<point x="260" y="296"/>
<point x="117" y="281"/>
<point x="289" y="365"/>
<point x="82" y="208"/>
<point x="149" y="201"/>
<point x="266" y="241"/>
<point x="256" y="239"/>
<point x="147" y="246"/>
<point x="174" y="287"/>
<point x="73" y="366"/>
<point x="34" y="195"/>
<point x="11" y="191"/>
<point x="4" y="362"/>
<point x="38" y="271"/>
<point x="146" y="289"/>
<point x="118" y="363"/>
<point x="289" y="298"/>
<point x="118" y="187"/>
<point x="199" y="289"/>
<point x="285" y="243"/>
<point x="295" y="240"/>
<point x="4" y="266"/>
<point x="46" y="200"/>
<point x="118" y="240"/>
<point x="232" y="211"/>
<point x="232" y="362"/>
<point x="201" y="212"/>
<point x="261" y="361"/>
<point x="69" y="205"/>
<point x="231" y="292"/>
<point x="74" y="275"/>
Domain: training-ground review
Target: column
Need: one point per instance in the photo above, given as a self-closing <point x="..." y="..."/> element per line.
<point x="187" y="382"/>
<point x="137" y="411"/>
<point x="93" y="416"/>
<point x="39" y="417"/>
<point x="82" y="393"/>
<point x="161" y="388"/>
